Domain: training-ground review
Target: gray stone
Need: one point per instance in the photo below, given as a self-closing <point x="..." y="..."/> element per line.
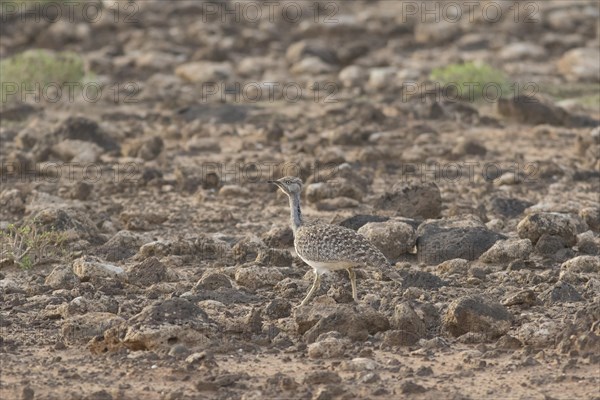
<point x="522" y="51"/>
<point x="146" y="148"/>
<point x="86" y="130"/>
<point x="311" y="66"/>
<point x="279" y="237"/>
<point x="587" y="243"/>
<point x="247" y="249"/>
<point x="561" y="292"/>
<point x="303" y="49"/>
<point x="329" y="345"/>
<point x="381" y="77"/>
<point x="255" y="277"/>
<point x="392" y="238"/>
<point x="274" y="258"/>
<point x="566" y="226"/>
<point x="165" y="323"/>
<point x="416" y="200"/>
<point x="204" y="71"/>
<point x="420" y="279"/>
<point x="12" y="200"/>
<point x="61" y="278"/>
<point x="591" y="215"/>
<point x="541" y="333"/>
<point x="478" y="315"/>
<point x="353" y="323"/>
<point x="77" y="151"/>
<point x="88" y="267"/>
<point x="549" y="245"/>
<point x="321" y="378"/>
<point x="73" y="221"/>
<point x="456" y="266"/>
<point x="409" y="387"/>
<point x="438" y="241"/>
<point x="319" y="191"/>
<point x="504" y="251"/>
<point x="580" y="65"/>
<point x="352" y="76"/>
<point x="439" y="32"/>
<point x="124" y="244"/>
<point x="148" y="272"/>
<point x="81" y="328"/>
<point x="586" y="264"/>
<point x="525" y="297"/>
<point x="508" y="207"/>
<point x="212" y="281"/>
<point x="407" y="326"/>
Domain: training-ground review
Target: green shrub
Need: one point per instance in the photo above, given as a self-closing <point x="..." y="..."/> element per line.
<point x="471" y="81"/>
<point x="27" y="244"/>
<point x="35" y="69"/>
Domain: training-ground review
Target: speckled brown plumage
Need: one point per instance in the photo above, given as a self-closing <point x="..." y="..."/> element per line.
<point x="327" y="247"/>
<point x="333" y="244"/>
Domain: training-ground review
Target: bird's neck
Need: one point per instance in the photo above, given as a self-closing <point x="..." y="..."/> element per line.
<point x="296" y="214"/>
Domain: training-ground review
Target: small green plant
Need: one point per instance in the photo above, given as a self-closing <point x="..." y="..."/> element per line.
<point x="472" y="82"/>
<point x="36" y="71"/>
<point x="27" y="244"/>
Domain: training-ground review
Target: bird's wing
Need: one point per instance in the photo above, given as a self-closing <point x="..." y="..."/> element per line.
<point x="334" y="243"/>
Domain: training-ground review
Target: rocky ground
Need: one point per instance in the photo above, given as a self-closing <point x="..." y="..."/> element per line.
<point x="161" y="264"/>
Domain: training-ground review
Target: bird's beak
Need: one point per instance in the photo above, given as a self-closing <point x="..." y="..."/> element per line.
<point x="276" y="183"/>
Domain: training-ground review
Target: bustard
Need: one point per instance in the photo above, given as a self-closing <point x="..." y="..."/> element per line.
<point x="327" y="247"/>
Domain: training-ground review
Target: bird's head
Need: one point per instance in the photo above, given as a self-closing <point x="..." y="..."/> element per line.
<point x="289" y="185"/>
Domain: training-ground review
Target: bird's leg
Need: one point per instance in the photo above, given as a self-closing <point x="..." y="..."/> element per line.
<point x="315" y="286"/>
<point x="352" y="276"/>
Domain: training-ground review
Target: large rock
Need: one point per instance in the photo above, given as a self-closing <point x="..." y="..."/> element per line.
<point x="561" y="292"/>
<point x="165" y="323"/>
<point x="304" y="49"/>
<point x="73" y="221"/>
<point x="416" y="200"/>
<point x="212" y="281"/>
<point x="77" y="151"/>
<point x="476" y="314"/>
<point x="407" y="326"/>
<point x="86" y="130"/>
<point x="508" y="250"/>
<point x="581" y="65"/>
<point x="355" y="323"/>
<point x="586" y="264"/>
<point x="61" y="277"/>
<point x="436" y="33"/>
<point x="81" y="328"/>
<point x="122" y="245"/>
<point x="540" y="333"/>
<point x="204" y="71"/>
<point x="591" y="216"/>
<point x="566" y="226"/>
<point x="522" y="51"/>
<point x="532" y="110"/>
<point x="148" y="272"/>
<point x="508" y="207"/>
<point x="254" y="277"/>
<point x="319" y="191"/>
<point x="12" y="200"/>
<point x="393" y="238"/>
<point x="146" y="148"/>
<point x="439" y="241"/>
<point x="329" y="345"/>
<point x="88" y="267"/>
